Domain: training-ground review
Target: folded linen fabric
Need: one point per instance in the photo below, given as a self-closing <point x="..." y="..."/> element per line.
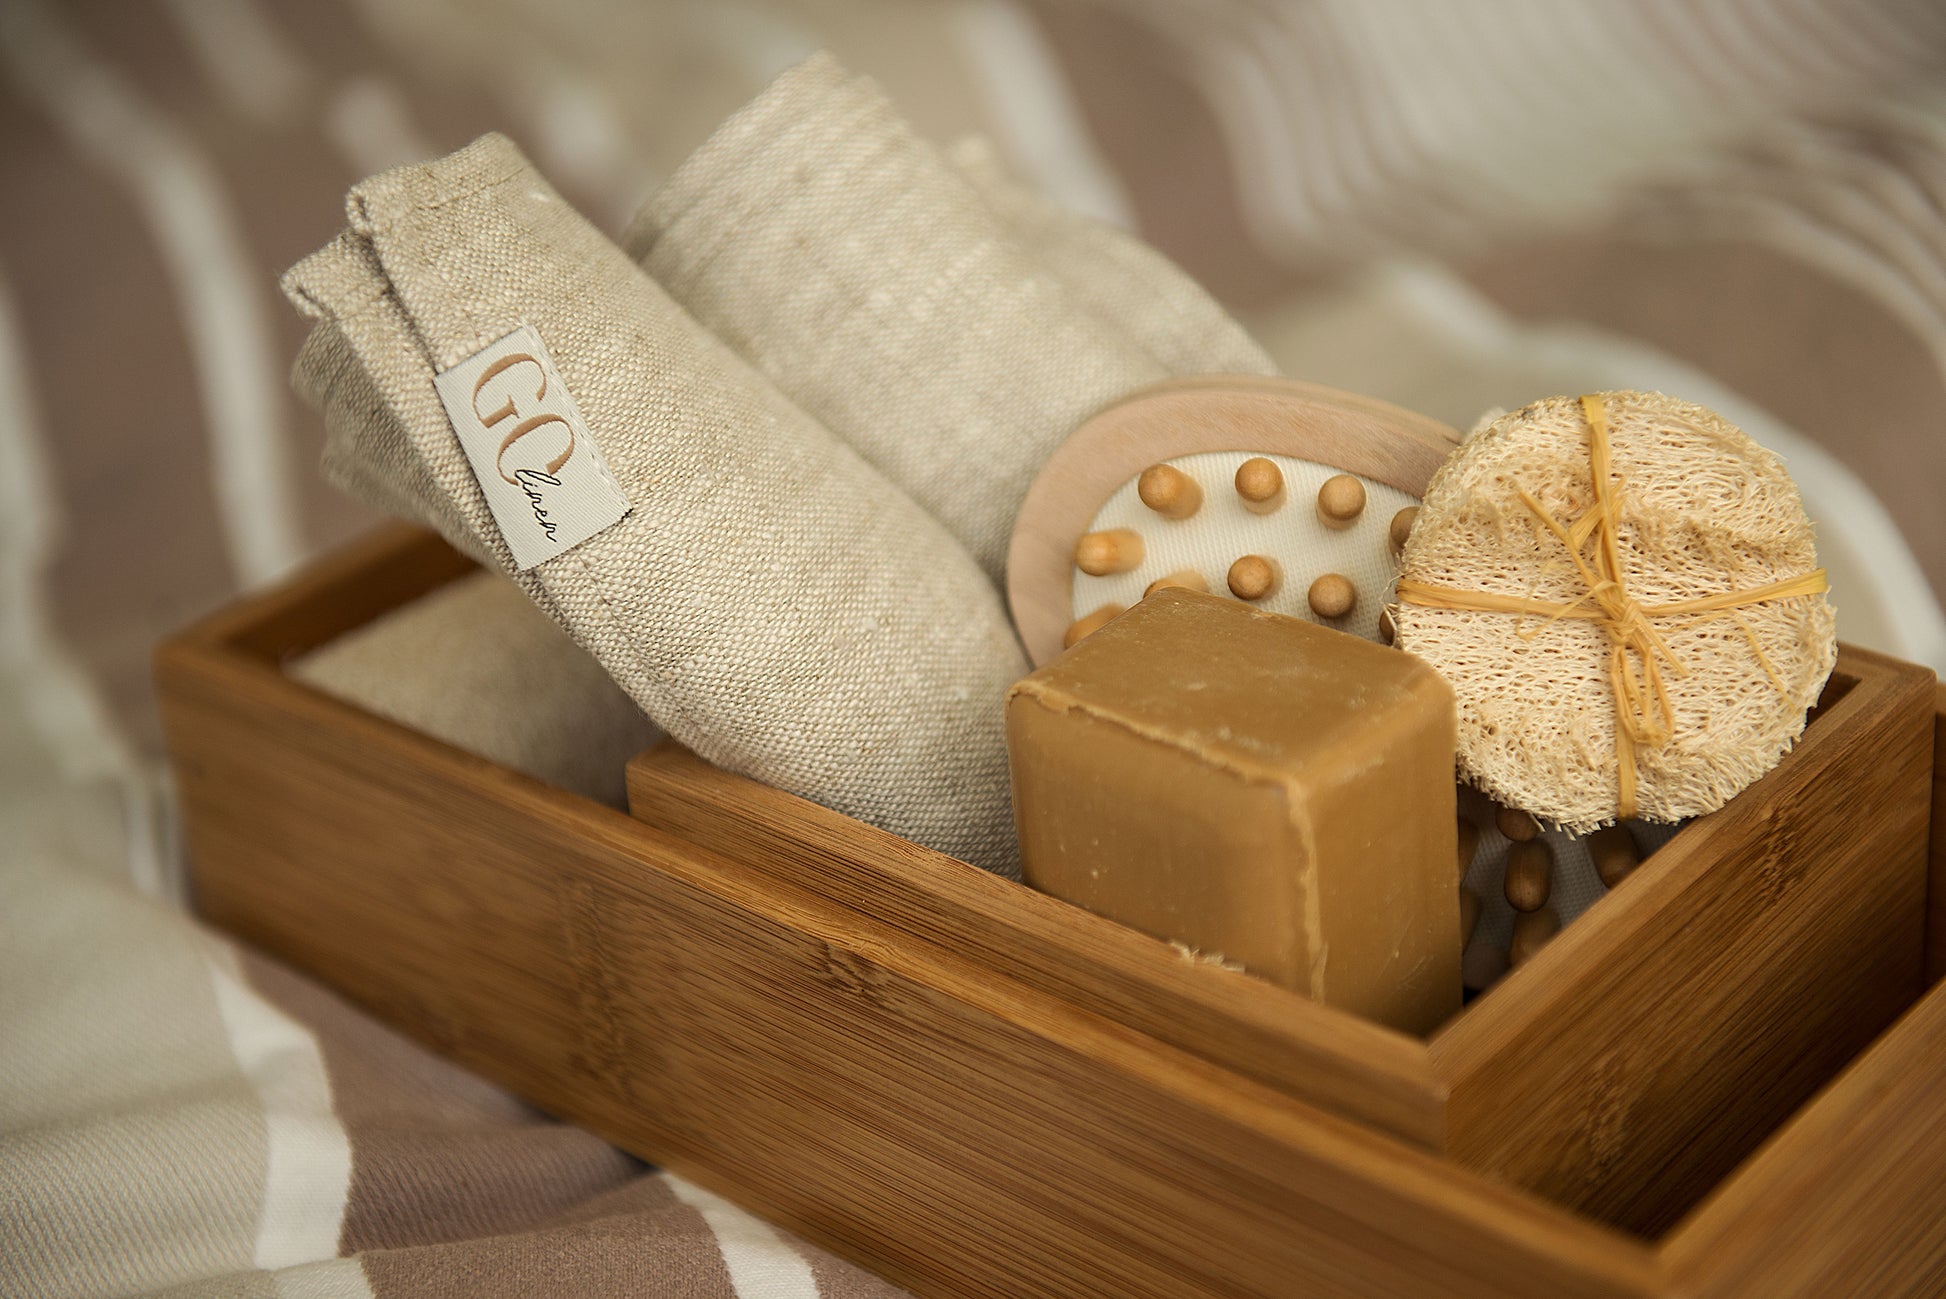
<point x="767" y="598"/>
<point x="1113" y="275"/>
<point x="447" y="663"/>
<point x="367" y="452"/>
<point x="948" y="324"/>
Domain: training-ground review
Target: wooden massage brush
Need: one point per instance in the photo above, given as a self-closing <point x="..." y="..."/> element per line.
<point x="1289" y="495"/>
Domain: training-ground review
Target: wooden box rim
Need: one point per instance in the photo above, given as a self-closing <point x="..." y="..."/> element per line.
<point x="1798" y="1181"/>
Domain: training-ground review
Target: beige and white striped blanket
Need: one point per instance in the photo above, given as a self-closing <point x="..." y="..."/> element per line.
<point x="1453" y="205"/>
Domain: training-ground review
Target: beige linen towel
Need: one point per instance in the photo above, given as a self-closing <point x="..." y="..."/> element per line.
<point x="770" y="600"/>
<point x="477" y="665"/>
<point x="949" y="325"/>
<point x="366" y="450"/>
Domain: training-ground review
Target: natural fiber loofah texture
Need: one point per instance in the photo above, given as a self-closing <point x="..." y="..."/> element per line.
<point x="1714" y="696"/>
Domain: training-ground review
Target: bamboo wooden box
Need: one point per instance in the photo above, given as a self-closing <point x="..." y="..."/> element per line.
<point x="1699" y="1088"/>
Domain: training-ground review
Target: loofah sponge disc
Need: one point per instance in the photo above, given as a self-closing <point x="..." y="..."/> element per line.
<point x="1623" y="591"/>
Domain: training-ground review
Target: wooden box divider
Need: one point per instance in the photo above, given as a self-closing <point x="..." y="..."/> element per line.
<point x="1609" y="1075"/>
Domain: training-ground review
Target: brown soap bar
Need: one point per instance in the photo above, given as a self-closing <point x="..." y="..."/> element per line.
<point x="1256" y="787"/>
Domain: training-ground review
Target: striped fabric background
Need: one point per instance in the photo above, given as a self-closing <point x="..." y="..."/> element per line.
<point x="1453" y="205"/>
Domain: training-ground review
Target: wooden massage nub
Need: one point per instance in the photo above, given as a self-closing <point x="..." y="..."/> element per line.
<point x="1293" y="497"/>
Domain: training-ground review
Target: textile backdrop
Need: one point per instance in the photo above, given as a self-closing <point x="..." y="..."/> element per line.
<point x="1454" y="206"/>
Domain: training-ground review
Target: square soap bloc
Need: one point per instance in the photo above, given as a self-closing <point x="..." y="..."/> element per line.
<point x="1256" y="787"/>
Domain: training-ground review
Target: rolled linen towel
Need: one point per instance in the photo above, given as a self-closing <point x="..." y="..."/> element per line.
<point x="768" y="598"/>
<point x="949" y="325"/>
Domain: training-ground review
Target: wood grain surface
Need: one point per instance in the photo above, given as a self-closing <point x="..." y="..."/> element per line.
<point x="1647" y="1049"/>
<point x="1936" y="871"/>
<point x="1347" y="1065"/>
<point x="1848" y="1199"/>
<point x="954" y="1128"/>
<point x="978" y="1091"/>
<point x="1745" y="963"/>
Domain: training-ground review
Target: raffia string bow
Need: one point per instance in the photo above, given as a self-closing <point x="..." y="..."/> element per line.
<point x="1637" y="653"/>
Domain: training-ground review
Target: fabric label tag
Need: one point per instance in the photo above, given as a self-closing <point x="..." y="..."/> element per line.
<point x="538" y="464"/>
